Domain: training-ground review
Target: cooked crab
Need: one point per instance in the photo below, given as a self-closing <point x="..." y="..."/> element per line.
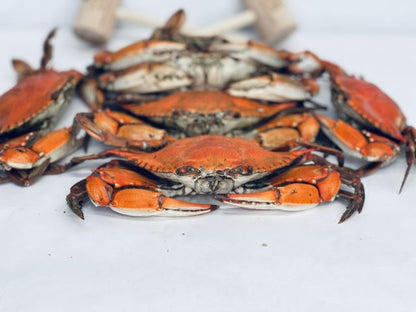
<point x="170" y="61"/>
<point x="39" y="97"/>
<point x="182" y="114"/>
<point x="28" y="111"/>
<point x="365" y="105"/>
<point x="213" y="164"/>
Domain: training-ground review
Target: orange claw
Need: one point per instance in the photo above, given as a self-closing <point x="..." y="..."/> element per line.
<point x="281" y="131"/>
<point x="360" y="144"/>
<point x="127" y="192"/>
<point x="143" y="203"/>
<point x="119" y="129"/>
<point x="301" y="188"/>
<point x="292" y="197"/>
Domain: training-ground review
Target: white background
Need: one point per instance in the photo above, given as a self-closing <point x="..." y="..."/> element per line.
<point x="51" y="260"/>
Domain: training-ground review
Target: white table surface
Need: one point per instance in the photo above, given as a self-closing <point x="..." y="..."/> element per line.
<point x="229" y="260"/>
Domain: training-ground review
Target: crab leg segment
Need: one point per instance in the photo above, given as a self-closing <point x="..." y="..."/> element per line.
<point x="129" y="193"/>
<point x="275" y="88"/>
<point x="299" y="188"/>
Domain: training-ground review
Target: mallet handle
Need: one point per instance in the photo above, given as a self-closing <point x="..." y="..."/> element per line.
<point x="241" y="20"/>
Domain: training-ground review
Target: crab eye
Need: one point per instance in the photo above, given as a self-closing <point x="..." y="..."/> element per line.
<point x="186" y="170"/>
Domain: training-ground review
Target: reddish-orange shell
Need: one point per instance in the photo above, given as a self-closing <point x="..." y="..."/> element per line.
<point x="370" y="102"/>
<point x="31" y="96"/>
<point x="212" y="153"/>
<point x="205" y="102"/>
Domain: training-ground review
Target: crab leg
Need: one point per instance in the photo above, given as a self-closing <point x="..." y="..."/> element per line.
<point x="301" y="188"/>
<point x="129" y="193"/>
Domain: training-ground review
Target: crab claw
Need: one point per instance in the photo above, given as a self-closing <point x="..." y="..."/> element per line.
<point x="157" y="51"/>
<point x="254" y="51"/>
<point x="275" y="88"/>
<point x="128" y="192"/>
<point x="292" y="197"/>
<point x="118" y="129"/>
<point x="145" y="78"/>
<point x="144" y="203"/>
<point x="304" y="187"/>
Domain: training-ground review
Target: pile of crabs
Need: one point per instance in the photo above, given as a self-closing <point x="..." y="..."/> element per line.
<point x="201" y="115"/>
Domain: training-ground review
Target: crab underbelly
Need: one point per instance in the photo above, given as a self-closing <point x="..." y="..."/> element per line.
<point x="211" y="183"/>
<point x="216" y="72"/>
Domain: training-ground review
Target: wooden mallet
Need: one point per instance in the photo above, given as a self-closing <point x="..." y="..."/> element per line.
<point x="97" y="18"/>
<point x="272" y="18"/>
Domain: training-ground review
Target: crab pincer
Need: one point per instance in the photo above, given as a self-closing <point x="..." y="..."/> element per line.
<point x="117" y="186"/>
<point x="301" y="188"/>
<point x="24" y="164"/>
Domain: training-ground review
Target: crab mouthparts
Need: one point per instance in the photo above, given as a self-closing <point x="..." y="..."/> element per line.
<point x="214" y="185"/>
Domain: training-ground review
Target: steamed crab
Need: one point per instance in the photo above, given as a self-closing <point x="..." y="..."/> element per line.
<point x="192" y="113"/>
<point x="28" y="111"/>
<point x="169" y="62"/>
<point x="181" y="114"/>
<point x="382" y="124"/>
<point x="238" y="171"/>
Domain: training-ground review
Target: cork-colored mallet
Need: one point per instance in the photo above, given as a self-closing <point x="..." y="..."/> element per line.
<point x="272" y="19"/>
<point x="97" y="18"/>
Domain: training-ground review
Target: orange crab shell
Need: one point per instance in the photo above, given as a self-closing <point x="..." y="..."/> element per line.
<point x="205" y="102"/>
<point x="31" y="96"/>
<point x="212" y="153"/>
<point x="371" y="103"/>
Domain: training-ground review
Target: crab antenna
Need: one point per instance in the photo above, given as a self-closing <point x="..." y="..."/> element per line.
<point x="47" y="49"/>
